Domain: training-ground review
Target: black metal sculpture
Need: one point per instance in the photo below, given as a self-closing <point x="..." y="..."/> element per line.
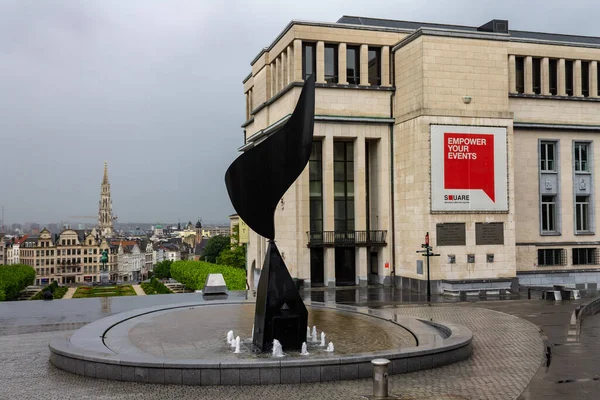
<point x="256" y="181"/>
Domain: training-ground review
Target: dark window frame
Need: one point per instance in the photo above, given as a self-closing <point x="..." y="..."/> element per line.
<point x="569" y="77"/>
<point x="353" y="79"/>
<point x="313" y="51"/>
<point x="520" y="74"/>
<point x="547" y="164"/>
<point x="553" y="76"/>
<point x="343" y="223"/>
<point x="581" y="159"/>
<point x="551" y="257"/>
<point x="585" y="256"/>
<point x="548" y="215"/>
<point x="585" y="78"/>
<point x="536" y="75"/>
<point x="582" y="214"/>
<point x="334" y="49"/>
<point x="316" y="163"/>
<point x="376" y="79"/>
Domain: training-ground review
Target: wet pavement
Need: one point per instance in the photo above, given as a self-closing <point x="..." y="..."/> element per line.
<point x="572" y="371"/>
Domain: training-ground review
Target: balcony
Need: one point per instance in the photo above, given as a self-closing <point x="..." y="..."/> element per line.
<point x="346" y="239"/>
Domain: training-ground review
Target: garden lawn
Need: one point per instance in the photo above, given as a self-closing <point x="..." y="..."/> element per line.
<point x="103" y="291"/>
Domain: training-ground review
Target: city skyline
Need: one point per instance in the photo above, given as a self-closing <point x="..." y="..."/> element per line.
<point x="158" y="98"/>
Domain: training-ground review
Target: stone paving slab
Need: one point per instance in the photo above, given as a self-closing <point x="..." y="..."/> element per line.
<point x="138" y="290"/>
<point x="507" y="351"/>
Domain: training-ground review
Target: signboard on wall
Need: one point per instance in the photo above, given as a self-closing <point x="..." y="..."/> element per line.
<point x="468" y="168"/>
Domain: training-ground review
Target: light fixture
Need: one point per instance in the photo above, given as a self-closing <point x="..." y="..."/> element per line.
<point x="467" y="99"/>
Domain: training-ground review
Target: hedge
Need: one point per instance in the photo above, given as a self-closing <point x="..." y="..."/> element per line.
<point x="193" y="274"/>
<point x="57" y="291"/>
<point x="13" y="279"/>
<point x="155" y="287"/>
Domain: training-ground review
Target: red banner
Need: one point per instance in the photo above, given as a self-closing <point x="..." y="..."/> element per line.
<point x="469" y="162"/>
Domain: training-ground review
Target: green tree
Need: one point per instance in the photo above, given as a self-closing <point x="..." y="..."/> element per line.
<point x="235" y="255"/>
<point x="162" y="270"/>
<point x="214" y="247"/>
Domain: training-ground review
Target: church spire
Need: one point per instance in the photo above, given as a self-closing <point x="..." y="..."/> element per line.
<point x="105" y="218"/>
<point x="105" y="179"/>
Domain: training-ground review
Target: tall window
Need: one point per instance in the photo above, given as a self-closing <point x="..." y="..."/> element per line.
<point x="520" y="78"/>
<point x="569" y="77"/>
<point x="309" y="59"/>
<point x="353" y="65"/>
<point x="585" y="78"/>
<point x="548" y="156"/>
<point x="343" y="177"/>
<point x="548" y="213"/>
<point x="331" y="63"/>
<point x="585" y="256"/>
<point x="315" y="172"/>
<point x="537" y="75"/>
<point x="550" y="257"/>
<point x="581" y="157"/>
<point x="374" y="66"/>
<point x="582" y="213"/>
<point x="553" y="64"/>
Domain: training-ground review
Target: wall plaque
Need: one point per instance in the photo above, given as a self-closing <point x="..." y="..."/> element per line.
<point x="452" y="234"/>
<point x="489" y="233"/>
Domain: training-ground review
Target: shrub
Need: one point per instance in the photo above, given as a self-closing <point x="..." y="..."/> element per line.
<point x="13" y="279"/>
<point x="162" y="270"/>
<point x="57" y="291"/>
<point x="193" y="274"/>
<point x="155" y="287"/>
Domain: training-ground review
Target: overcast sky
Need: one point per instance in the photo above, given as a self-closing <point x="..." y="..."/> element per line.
<point x="154" y="87"/>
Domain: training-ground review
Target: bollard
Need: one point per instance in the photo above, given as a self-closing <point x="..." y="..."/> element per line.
<point x="380" y="378"/>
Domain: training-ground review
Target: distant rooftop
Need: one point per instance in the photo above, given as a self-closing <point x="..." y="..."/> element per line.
<point x="412" y="25"/>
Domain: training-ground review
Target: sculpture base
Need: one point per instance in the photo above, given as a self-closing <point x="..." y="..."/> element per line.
<point x="280" y="312"/>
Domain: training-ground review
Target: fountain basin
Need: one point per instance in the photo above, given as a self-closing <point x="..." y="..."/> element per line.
<point x="115" y="347"/>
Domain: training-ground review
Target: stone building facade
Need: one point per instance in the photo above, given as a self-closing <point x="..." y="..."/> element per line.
<point x="479" y="136"/>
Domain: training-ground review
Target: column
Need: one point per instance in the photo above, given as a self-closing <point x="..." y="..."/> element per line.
<point x="364" y="65"/>
<point x="284" y="64"/>
<point x="320" y="62"/>
<point x="512" y="74"/>
<point x="342" y="77"/>
<point x="385" y="66"/>
<point x="562" y="87"/>
<point x="577" y="79"/>
<point x="272" y="89"/>
<point x="328" y="210"/>
<point x="277" y="76"/>
<point x="594" y="79"/>
<point x="360" y="207"/>
<point x="545" y="76"/>
<point x="298" y="61"/>
<point x="290" y="64"/>
<point x="384" y="208"/>
<point x="528" y="75"/>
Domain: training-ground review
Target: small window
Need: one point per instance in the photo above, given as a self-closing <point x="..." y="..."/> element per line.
<point x="585" y="256"/>
<point x="553" y="64"/>
<point x="470" y="258"/>
<point x="569" y="77"/>
<point x="585" y="78"/>
<point x="537" y="75"/>
<point x="331" y="64"/>
<point x="309" y="59"/>
<point x="582" y="213"/>
<point x="581" y="157"/>
<point x="548" y="213"/>
<point x="489" y="258"/>
<point x="520" y="70"/>
<point x="353" y="65"/>
<point x="374" y="66"/>
<point x="451" y="259"/>
<point x="548" y="156"/>
<point x="552" y="257"/>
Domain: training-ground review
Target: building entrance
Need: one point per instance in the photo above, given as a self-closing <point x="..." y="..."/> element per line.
<point x="316" y="267"/>
<point x="345" y="267"/>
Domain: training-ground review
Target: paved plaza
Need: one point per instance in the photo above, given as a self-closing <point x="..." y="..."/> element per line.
<point x="507" y="352"/>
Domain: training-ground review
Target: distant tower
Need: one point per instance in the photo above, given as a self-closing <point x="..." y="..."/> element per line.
<point x="198" y="231"/>
<point x="105" y="218"/>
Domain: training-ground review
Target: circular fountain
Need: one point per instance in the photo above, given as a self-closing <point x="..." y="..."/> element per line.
<point x="194" y="344"/>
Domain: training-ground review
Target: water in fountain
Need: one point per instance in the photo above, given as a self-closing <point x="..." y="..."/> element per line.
<point x="308" y="333"/>
<point x="237" y="345"/>
<point x="323" y="339"/>
<point x="314" y="334"/>
<point x="330" y="347"/>
<point x="304" y="349"/>
<point x="277" y="349"/>
<point x="229" y="337"/>
<point x="232" y="342"/>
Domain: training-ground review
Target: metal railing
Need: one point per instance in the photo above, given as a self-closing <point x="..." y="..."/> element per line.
<point x="346" y="238"/>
